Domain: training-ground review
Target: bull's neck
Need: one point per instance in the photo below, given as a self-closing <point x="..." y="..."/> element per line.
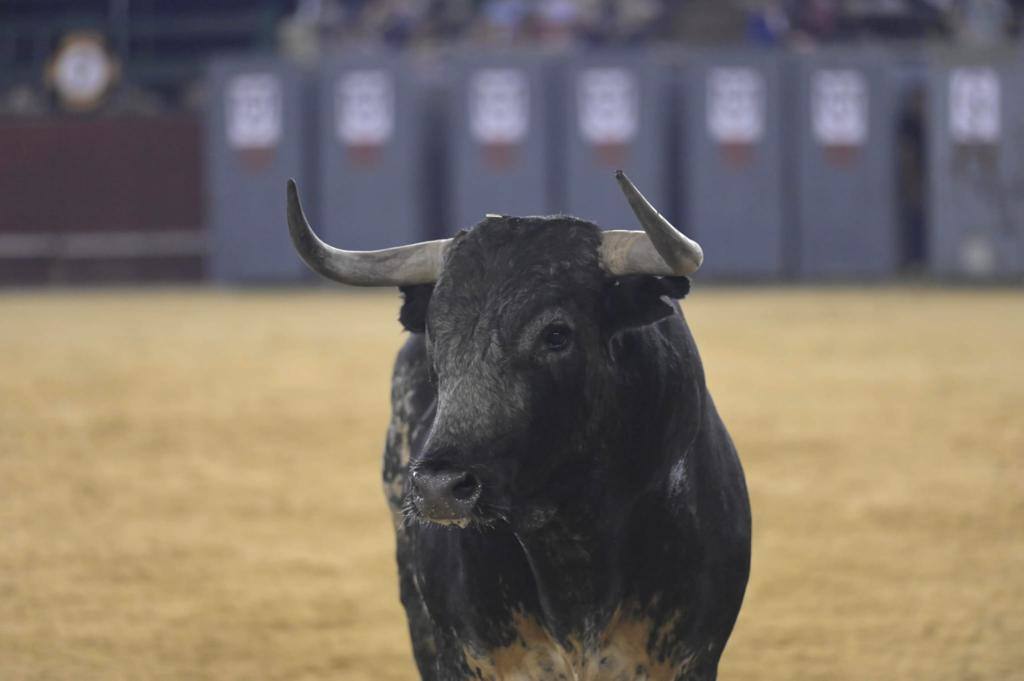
<point x="575" y="560"/>
<point x="579" y="557"/>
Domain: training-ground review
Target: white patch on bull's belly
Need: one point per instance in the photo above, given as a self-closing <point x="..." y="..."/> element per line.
<point x="620" y="654"/>
<point x="533" y="655"/>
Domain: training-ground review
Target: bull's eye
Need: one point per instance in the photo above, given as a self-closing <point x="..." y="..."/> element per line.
<point x="557" y="337"/>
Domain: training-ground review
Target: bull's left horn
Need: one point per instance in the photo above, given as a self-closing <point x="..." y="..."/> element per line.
<point x="660" y="249"/>
<point x="418" y="263"/>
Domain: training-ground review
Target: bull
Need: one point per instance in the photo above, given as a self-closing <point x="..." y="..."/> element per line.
<point x="567" y="501"/>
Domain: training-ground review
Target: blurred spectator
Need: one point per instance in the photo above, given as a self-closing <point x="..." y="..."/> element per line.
<point x="895" y="19"/>
<point x="768" y="24"/>
<point x="816" y="20"/>
<point x="502" y="22"/>
<point x="394" y="22"/>
<point x="704" y="22"/>
<point x="621" y="21"/>
<point x="557" y="21"/>
<point x="449" y="20"/>
<point x="23" y="100"/>
<point x="313" y="23"/>
<point x="312" y="26"/>
<point x="594" y="23"/>
<point x="981" y="22"/>
<point x="637" y="20"/>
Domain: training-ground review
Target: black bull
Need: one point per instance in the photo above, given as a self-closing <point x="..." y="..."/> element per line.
<point x="567" y="501"/>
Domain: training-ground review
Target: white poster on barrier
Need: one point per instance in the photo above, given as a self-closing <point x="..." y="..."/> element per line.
<point x="735" y="105"/>
<point x="839" y="107"/>
<point x="974" y="102"/>
<point x="608" y="105"/>
<point x="364" y="106"/>
<point x="254" y="109"/>
<point x="499" y="106"/>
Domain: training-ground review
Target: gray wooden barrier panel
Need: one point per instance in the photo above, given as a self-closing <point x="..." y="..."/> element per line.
<point x="732" y="161"/>
<point x="258" y="109"/>
<point x="501" y="139"/>
<point x="617" y="115"/>
<point x="373" y="124"/>
<point x="845" y="140"/>
<point x="976" y="164"/>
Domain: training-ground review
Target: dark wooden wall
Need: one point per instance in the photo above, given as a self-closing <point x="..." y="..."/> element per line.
<point x="112" y="198"/>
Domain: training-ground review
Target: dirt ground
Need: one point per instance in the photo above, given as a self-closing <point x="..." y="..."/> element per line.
<point x="189" y="483"/>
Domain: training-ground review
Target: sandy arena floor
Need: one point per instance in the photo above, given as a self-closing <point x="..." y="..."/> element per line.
<point x="189" y="483"/>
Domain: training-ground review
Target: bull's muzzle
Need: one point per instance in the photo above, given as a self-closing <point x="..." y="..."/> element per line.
<point x="445" y="496"/>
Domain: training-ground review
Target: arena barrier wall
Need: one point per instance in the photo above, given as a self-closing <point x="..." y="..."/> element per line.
<point x="503" y="142"/>
<point x="845" y="137"/>
<point x="618" y="112"/>
<point x="375" y="129"/>
<point x="813" y="166"/>
<point x="976" y="168"/>
<point x="733" y="162"/>
<point x="256" y="126"/>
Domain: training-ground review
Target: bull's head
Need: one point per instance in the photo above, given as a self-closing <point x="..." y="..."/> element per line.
<point x="529" y="331"/>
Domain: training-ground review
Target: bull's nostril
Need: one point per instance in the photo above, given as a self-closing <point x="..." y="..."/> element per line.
<point x="466" y="488"/>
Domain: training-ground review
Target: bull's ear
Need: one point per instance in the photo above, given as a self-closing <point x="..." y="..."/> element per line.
<point x="641" y="299"/>
<point x="415" y="300"/>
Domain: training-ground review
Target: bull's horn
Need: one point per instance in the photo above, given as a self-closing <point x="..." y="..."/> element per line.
<point x="660" y="249"/>
<point x="418" y="263"/>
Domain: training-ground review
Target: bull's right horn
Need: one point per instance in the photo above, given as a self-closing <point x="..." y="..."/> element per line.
<point x="418" y="263"/>
<point x="660" y="249"/>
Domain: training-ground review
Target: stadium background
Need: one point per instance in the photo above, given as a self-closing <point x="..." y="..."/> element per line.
<point x="190" y="425"/>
